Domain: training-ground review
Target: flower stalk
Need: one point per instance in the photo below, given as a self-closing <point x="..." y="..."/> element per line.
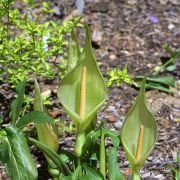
<point x="102" y="155"/>
<point x="81" y="136"/>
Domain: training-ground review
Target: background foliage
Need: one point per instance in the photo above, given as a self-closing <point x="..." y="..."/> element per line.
<point x="27" y="45"/>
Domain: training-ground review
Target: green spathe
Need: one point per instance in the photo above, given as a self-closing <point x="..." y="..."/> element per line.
<point x="69" y="90"/>
<point x="96" y="90"/>
<point x="47" y="133"/>
<point x="139" y="115"/>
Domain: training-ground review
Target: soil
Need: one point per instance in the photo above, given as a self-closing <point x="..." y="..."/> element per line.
<point x="123" y="33"/>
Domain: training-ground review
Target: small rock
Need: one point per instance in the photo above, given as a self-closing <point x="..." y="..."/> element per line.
<point x="46" y="93"/>
<point x="149" y="65"/>
<point x="57" y="11"/>
<point x="118" y="124"/>
<point x="176" y="31"/>
<point x="112" y="56"/>
<point x="80" y="4"/>
<point x="171" y="26"/>
<point x="117" y="104"/>
<point x="163" y="2"/>
<point x="96" y="38"/>
<point x="132" y="2"/>
<point x="111" y="108"/>
<point x="111" y="119"/>
<point x="175" y="2"/>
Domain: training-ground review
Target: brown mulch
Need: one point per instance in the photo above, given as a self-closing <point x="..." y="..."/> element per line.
<point x="124" y="35"/>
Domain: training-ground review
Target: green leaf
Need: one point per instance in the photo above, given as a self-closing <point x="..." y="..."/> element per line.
<point x="171" y="67"/>
<point x="94" y="135"/>
<point x="138" y="115"/>
<point x="51" y="154"/>
<point x="17" y="103"/>
<point x="92" y="173"/>
<point x="166" y="80"/>
<point x="115" y="140"/>
<point x="96" y="91"/>
<point x="112" y="135"/>
<point x="158" y="87"/>
<point x="1" y="119"/>
<point x="159" y="83"/>
<point x="18" y="160"/>
<point x="177" y="173"/>
<point x="4" y="150"/>
<point x="4" y="155"/>
<point x="113" y="166"/>
<point x="74" y="176"/>
<point x="92" y="138"/>
<point x="38" y="102"/>
<point x="47" y="133"/>
<point x="36" y="117"/>
<point x="118" y="77"/>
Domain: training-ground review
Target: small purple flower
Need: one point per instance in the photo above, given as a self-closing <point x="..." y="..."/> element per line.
<point x="153" y="19"/>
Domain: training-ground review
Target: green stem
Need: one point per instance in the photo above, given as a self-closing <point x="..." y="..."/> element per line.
<point x="55" y="178"/>
<point x="79" y="164"/>
<point x="52" y="155"/>
<point x="79" y="161"/>
<point x="102" y="155"/>
<point x="34" y="43"/>
<point x="8" y="22"/>
<point x="54" y="173"/>
<point x="172" y="60"/>
<point x="136" y="175"/>
<point x="80" y="140"/>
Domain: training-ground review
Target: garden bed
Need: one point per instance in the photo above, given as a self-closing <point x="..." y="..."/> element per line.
<point x="124" y="33"/>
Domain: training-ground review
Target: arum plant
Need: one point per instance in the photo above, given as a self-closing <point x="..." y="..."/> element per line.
<point x="14" y="151"/>
<point x="139" y="132"/>
<point x="82" y="91"/>
<point x="47" y="133"/>
<point x="160" y="83"/>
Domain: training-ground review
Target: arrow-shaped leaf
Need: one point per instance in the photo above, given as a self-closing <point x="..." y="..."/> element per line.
<point x="17" y="157"/>
<point x="36" y="117"/>
<point x="113" y="166"/>
<point x="17" y="103"/>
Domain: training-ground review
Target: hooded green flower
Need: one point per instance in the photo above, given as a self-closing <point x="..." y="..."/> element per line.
<point x="69" y="91"/>
<point x="139" y="117"/>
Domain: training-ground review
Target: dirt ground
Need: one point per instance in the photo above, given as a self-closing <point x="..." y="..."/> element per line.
<point x="123" y="33"/>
